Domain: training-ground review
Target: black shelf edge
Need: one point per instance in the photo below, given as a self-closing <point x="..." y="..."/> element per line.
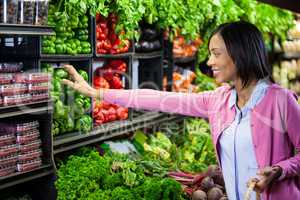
<point x="30" y="108"/>
<point x="58" y="57"/>
<point x="109" y="131"/>
<point x="22" y="177"/>
<point x="24" y="29"/>
<point x="121" y="55"/>
<point x="188" y="59"/>
<point x="148" y="55"/>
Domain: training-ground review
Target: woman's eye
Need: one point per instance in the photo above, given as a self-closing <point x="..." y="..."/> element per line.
<point x="216" y="54"/>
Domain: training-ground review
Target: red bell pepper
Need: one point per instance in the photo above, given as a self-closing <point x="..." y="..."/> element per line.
<point x="100" y="82"/>
<point x="116" y="83"/>
<point x="122" y="113"/>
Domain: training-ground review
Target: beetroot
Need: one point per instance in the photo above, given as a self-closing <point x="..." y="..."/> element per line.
<point x="220" y="187"/>
<point x="214" y="194"/>
<point x="215" y="173"/>
<point x="199" y="195"/>
<point x="207" y="183"/>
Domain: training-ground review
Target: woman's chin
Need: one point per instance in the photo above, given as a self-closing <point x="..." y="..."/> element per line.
<point x="219" y="80"/>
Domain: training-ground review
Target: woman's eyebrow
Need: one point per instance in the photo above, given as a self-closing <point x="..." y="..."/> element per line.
<point x="213" y="49"/>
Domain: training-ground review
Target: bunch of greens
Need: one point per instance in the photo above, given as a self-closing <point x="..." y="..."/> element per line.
<point x="113" y="176"/>
<point x="191" y="150"/>
<point x="270" y="20"/>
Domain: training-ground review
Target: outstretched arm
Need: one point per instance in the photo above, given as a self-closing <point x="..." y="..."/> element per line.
<point x="148" y="99"/>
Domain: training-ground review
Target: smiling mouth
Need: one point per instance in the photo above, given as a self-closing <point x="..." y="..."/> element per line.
<point x="215" y="71"/>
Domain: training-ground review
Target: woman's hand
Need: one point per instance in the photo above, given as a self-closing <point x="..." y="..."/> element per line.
<point x="79" y="84"/>
<point x="267" y="176"/>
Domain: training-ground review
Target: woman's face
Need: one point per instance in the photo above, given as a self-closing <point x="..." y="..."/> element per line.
<point x="222" y="65"/>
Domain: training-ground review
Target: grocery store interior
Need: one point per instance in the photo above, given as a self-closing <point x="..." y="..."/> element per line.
<point x="56" y="143"/>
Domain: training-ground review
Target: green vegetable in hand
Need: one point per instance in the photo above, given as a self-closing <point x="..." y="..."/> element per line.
<point x="60" y="74"/>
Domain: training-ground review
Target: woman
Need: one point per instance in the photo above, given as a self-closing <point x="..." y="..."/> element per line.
<point x="253" y="122"/>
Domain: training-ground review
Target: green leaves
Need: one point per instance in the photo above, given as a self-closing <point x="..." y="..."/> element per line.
<point x="90" y="176"/>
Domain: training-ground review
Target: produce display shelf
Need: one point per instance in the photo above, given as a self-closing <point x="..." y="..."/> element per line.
<point x="21" y="177"/>
<point x="58" y="57"/>
<point x="188" y="59"/>
<point x="148" y="55"/>
<point x="121" y="55"/>
<point x="22" y="29"/>
<point x="30" y="108"/>
<point x="290" y="55"/>
<point x="109" y="131"/>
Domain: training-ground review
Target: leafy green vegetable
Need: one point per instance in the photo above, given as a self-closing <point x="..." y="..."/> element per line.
<point x="87" y="175"/>
<point x="81" y="175"/>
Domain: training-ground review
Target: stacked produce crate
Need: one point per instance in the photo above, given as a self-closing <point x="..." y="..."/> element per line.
<point x="19" y="88"/>
<point x="20" y="149"/>
<point x="24" y="12"/>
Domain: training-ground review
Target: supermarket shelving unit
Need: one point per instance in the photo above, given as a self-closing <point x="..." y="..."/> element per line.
<point x="41" y="111"/>
<point x="149" y="69"/>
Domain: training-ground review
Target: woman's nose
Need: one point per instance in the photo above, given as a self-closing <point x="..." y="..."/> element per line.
<point x="209" y="62"/>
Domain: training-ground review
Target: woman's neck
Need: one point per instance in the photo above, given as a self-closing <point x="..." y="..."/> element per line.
<point x="244" y="94"/>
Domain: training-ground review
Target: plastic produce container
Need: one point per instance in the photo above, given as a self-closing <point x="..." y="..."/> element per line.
<point x="2" y="11"/>
<point x="10" y="67"/>
<point x="10" y="10"/>
<point x="21" y="78"/>
<point x="6" y="78"/>
<point x="31" y="155"/>
<point x="41" y="12"/>
<point x="17" y="99"/>
<point x="40" y="97"/>
<point x="27" y="126"/>
<point x="38" y="87"/>
<point x="8" y="139"/>
<point x="28" y="166"/>
<point x="13" y="89"/>
<point x="27" y="137"/>
<point x="23" y="126"/>
<point x="26" y="12"/>
<point x="7" y="170"/>
<point x="30" y="146"/>
<point x="7" y="161"/>
<point x="8" y="150"/>
<point x="32" y="77"/>
<point x="39" y="77"/>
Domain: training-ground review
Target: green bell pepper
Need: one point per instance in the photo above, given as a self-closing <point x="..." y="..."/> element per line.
<point x="86" y="50"/>
<point x="77" y="42"/>
<point x="60" y="74"/>
<point x="84" y="74"/>
<point x="55" y="128"/>
<point x="55" y="96"/>
<point x="84" y="19"/>
<point x="56" y="85"/>
<point x="59" y="110"/>
<point x="87" y="103"/>
<point x="59" y="48"/>
<point x="83" y="37"/>
<point x="84" y="123"/>
<point x="85" y="45"/>
<point x="69" y="124"/>
<point x="51" y="50"/>
<point x="59" y="40"/>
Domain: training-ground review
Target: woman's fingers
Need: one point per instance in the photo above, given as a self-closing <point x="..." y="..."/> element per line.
<point x="73" y="73"/>
<point x="265" y="171"/>
<point x="68" y="83"/>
